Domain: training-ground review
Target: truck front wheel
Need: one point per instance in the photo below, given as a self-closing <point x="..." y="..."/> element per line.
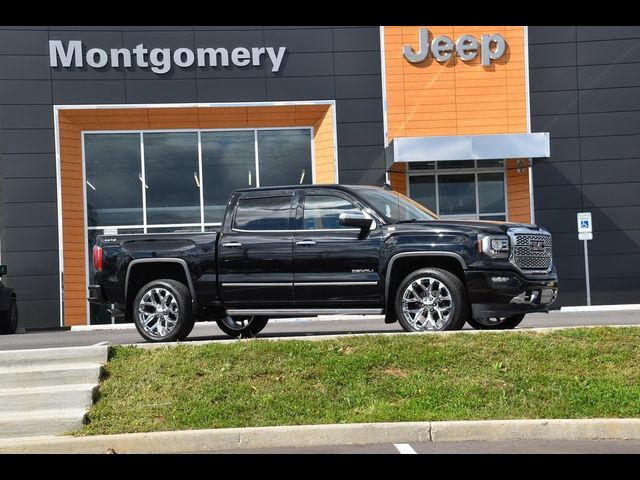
<point x="162" y="311"/>
<point x="242" y="327"/>
<point x="497" y="323"/>
<point x="431" y="299"/>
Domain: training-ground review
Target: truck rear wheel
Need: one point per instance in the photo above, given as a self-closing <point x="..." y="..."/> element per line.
<point x="496" y="323"/>
<point x="162" y="311"/>
<point x="9" y="319"/>
<point x="242" y="327"/>
<point x="431" y="299"/>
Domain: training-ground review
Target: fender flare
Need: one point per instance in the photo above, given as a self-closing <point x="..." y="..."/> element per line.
<point x="159" y="260"/>
<point x="454" y="255"/>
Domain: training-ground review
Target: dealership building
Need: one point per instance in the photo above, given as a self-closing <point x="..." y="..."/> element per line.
<point x="129" y="129"/>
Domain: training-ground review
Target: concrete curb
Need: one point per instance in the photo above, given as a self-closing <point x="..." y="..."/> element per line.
<point x="600" y="308"/>
<point x="324" y="435"/>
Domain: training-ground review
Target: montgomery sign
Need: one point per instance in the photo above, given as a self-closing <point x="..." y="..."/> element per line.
<point x="161" y="59"/>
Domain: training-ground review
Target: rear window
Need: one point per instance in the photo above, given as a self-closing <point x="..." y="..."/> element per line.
<point x="263" y="213"/>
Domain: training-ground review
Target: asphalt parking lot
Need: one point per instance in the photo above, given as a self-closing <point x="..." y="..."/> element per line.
<point x="301" y="327"/>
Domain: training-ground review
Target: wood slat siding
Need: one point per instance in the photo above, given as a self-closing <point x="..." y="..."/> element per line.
<point x="458" y="98"/>
<point x="73" y="122"/>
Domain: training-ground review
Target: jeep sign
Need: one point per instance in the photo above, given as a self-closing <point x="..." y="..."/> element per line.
<point x="466" y="47"/>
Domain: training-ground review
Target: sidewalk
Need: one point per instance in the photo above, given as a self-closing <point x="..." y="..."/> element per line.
<point x="324" y="435"/>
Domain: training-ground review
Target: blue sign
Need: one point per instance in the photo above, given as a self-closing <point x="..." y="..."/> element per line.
<point x="584" y="224"/>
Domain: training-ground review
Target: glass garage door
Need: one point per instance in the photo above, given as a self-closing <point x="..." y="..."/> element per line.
<point x="146" y="182"/>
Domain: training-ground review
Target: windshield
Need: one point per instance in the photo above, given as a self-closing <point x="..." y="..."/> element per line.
<point x="395" y="206"/>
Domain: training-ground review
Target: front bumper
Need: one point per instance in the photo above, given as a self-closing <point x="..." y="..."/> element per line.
<point x="504" y="293"/>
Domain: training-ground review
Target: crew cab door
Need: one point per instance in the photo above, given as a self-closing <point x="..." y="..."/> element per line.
<point x="255" y="259"/>
<point x="333" y="268"/>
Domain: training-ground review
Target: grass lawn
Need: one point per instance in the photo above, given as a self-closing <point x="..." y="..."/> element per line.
<point x="576" y="373"/>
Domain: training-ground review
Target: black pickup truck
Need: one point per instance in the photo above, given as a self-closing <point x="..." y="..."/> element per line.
<point x="325" y="249"/>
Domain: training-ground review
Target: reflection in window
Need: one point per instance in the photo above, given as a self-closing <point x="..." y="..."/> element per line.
<point x="323" y="211"/>
<point x="114" y="191"/>
<point x="423" y="191"/>
<point x="228" y="163"/>
<point x="284" y="157"/>
<point x="172" y="177"/>
<point x="263" y="213"/>
<point x="457" y="194"/>
<point x="491" y="192"/>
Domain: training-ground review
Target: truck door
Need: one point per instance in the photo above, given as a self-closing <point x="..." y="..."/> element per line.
<point x="333" y="268"/>
<point x="256" y="251"/>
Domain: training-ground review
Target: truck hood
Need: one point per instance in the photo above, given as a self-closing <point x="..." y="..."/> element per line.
<point x="468" y="226"/>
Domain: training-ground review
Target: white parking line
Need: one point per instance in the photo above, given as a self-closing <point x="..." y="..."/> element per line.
<point x="405" y="449"/>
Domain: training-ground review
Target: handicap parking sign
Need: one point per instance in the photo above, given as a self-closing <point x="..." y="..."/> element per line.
<point x="584" y="223"/>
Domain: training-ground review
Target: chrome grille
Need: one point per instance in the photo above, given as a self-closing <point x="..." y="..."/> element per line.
<point x="526" y="256"/>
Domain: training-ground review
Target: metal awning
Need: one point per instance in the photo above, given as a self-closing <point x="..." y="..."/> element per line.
<point x="468" y="147"/>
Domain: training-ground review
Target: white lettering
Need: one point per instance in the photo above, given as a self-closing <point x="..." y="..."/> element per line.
<point x="276" y="59"/>
<point x="140" y="52"/>
<point x="487" y="53"/>
<point x="255" y="54"/>
<point x="188" y="57"/>
<point x="160" y="58"/>
<point x="467" y="47"/>
<point x="240" y="57"/>
<point x="126" y="57"/>
<point x="74" y="52"/>
<point x="213" y="54"/>
<point x="103" y="59"/>
<point x="442" y="48"/>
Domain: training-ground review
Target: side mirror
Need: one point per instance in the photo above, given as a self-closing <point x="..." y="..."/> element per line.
<point x="3" y="270"/>
<point x="356" y="220"/>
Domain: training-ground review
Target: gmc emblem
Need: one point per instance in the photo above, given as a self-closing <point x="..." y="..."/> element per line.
<point x="537" y="246"/>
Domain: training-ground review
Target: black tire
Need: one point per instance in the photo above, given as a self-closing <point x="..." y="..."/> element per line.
<point x="448" y="312"/>
<point x="9" y="319"/>
<point x="497" y="323"/>
<point x="251" y="326"/>
<point x="180" y="315"/>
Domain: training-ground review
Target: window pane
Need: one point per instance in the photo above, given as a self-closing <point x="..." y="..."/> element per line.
<point x="490" y="163"/>
<point x="457" y="194"/>
<point x="500" y="218"/>
<point x="421" y="165"/>
<point x="284" y="157"/>
<point x="323" y="212"/>
<point x="171" y="171"/>
<point x="423" y="191"/>
<point x="228" y="163"/>
<point x="491" y="192"/>
<point x="264" y="213"/>
<point x="456" y="164"/>
<point x="114" y="191"/>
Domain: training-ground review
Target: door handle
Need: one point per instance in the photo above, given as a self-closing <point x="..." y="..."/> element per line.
<point x="232" y="244"/>
<point x="306" y="243"/>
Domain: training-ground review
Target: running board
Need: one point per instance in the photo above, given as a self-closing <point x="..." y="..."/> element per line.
<point x="307" y="311"/>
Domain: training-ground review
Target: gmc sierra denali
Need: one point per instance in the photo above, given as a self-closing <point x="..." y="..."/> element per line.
<point x="324" y="249"/>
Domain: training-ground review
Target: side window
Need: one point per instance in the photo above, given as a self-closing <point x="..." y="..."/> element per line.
<point x="264" y="213"/>
<point x="323" y="211"/>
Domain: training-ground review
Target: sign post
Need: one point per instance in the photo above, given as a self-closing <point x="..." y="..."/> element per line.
<point x="585" y="233"/>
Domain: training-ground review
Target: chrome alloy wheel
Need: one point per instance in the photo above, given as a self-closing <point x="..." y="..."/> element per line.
<point x="427" y="304"/>
<point x="158" y="312"/>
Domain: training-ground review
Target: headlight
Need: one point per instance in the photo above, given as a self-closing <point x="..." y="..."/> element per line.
<point x="495" y="246"/>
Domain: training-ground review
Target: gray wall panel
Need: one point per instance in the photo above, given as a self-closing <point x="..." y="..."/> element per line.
<point x="552" y="55"/>
<point x="25" y="92"/>
<point x="551" y="103"/>
<point x="311" y="88"/>
<point x="357" y="63"/>
<point x="31" y="67"/>
<point x="608" y="51"/>
<point x="354" y="158"/>
<point x="618" y="123"/>
<point x="300" y="41"/>
<point x="28" y="165"/>
<point x="551" y="34"/>
<point x="357" y="134"/>
<point x="611" y="171"/>
<point x="165" y="91"/>
<point x="303" y="65"/>
<point x="362" y="86"/>
<point x="602" y="148"/>
<point x="70" y="92"/>
<point x="552" y="79"/>
<point x="359" y="110"/>
<point x="34" y="287"/>
<point x="25" y="239"/>
<point x="362" y="177"/>
<point x="25" y="42"/>
<point x="610" y="100"/>
<point x="38" y="313"/>
<point x="611" y="195"/>
<point x="30" y="214"/>
<point x="227" y="90"/>
<point x="593" y="32"/>
<point x="29" y="190"/>
<point x="26" y="116"/>
<point x="546" y="197"/>
<point x="27" y="141"/>
<point x="356" y="39"/>
<point x="32" y="263"/>
<point x="556" y="173"/>
<point x="564" y="149"/>
<point x="609" y="76"/>
<point x="558" y="126"/>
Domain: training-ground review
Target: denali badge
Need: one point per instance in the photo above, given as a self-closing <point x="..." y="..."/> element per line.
<point x="537" y="246"/>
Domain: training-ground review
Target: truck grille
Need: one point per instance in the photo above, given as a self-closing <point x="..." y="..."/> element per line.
<point x="532" y="252"/>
